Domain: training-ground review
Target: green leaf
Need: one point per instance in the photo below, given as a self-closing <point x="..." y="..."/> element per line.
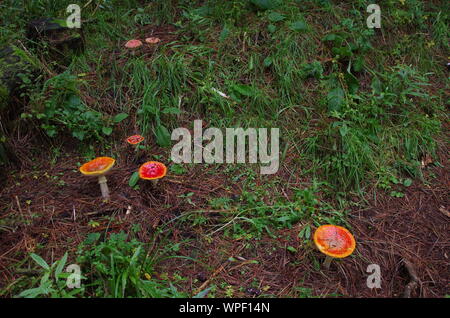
<point x="171" y="110"/>
<point x="352" y="82"/>
<point x="266" y="4"/>
<point x="40" y="261"/>
<point x="133" y="179"/>
<point x="330" y="37"/>
<point x="267" y="61"/>
<point x="298" y="26"/>
<point x="292" y="249"/>
<point x="275" y="17"/>
<point x="119" y="117"/>
<point x="203" y="293"/>
<point x="91" y="238"/>
<point x="336" y="99"/>
<point x="177" y="169"/>
<point x="162" y="136"/>
<point x="271" y="28"/>
<point x="78" y="134"/>
<point x="377" y="86"/>
<point x="61" y="264"/>
<point x="224" y="34"/>
<point x="359" y="64"/>
<point x="107" y="130"/>
<point x="407" y="182"/>
<point x="31" y="293"/>
<point x="307" y="232"/>
<point x="245" y="90"/>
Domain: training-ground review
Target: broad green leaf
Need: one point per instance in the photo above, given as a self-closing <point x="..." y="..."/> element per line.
<point x="329" y="37"/>
<point x="133" y="179"/>
<point x="40" y="261"/>
<point x="407" y="182"/>
<point x="245" y="90"/>
<point x="162" y="136"/>
<point x="91" y="238"/>
<point x="275" y="17"/>
<point x="336" y="99"/>
<point x="298" y="26"/>
<point x="107" y="130"/>
<point x="119" y="117"/>
<point x="78" y="134"/>
<point x="31" y="293"/>
<point x="343" y="130"/>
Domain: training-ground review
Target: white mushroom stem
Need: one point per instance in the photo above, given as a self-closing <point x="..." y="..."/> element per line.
<point x="103" y="187"/>
<point x="327" y="262"/>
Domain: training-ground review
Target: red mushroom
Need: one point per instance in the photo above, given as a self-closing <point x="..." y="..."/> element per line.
<point x="152" y="170"/>
<point x="99" y="167"/>
<point x="334" y="241"/>
<point x="135" y="139"/>
<point x="133" y="45"/>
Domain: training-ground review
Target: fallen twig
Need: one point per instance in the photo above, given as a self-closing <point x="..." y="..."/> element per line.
<point x="414" y="279"/>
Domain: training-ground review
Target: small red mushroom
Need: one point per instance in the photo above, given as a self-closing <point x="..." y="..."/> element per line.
<point x="135" y="139"/>
<point x="152" y="170"/>
<point x="133" y="45"/>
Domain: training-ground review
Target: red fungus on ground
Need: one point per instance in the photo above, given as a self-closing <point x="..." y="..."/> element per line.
<point x="152" y="170"/>
<point x="334" y="241"/>
<point x="135" y="139"/>
<point x="133" y="44"/>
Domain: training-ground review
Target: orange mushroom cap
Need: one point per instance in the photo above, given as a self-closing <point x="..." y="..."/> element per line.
<point x="334" y="241"/>
<point x="132" y="44"/>
<point x="152" y="170"/>
<point x="135" y="139"/>
<point x="97" y="167"/>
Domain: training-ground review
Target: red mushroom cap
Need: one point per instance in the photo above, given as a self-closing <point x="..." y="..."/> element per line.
<point x="152" y="170"/>
<point x="132" y="44"/>
<point x="334" y="241"/>
<point x="135" y="139"/>
<point x="97" y="167"/>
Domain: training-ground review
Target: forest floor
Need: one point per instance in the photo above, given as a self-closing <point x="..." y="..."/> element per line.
<point x="390" y="232"/>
